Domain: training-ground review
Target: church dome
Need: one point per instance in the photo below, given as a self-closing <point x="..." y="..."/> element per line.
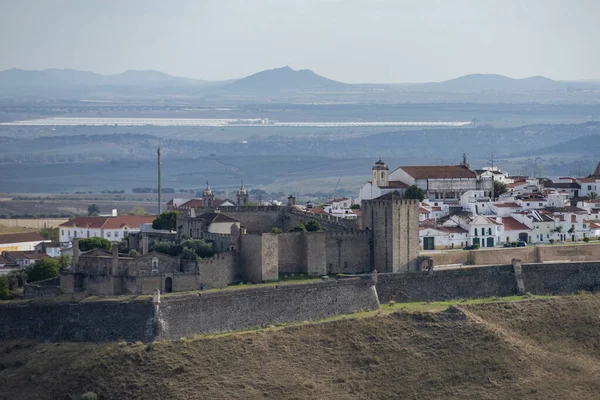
<point x="207" y="191"/>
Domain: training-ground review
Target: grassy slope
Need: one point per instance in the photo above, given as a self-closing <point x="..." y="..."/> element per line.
<point x="540" y="349"/>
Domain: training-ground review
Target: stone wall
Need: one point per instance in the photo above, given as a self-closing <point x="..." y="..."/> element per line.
<point x="257" y="307"/>
<point x="178" y="316"/>
<point x="46" y="288"/>
<point x="348" y="252"/>
<point x="489" y="281"/>
<point x="86" y="321"/>
<point x="530" y="254"/>
<point x="260" y="257"/>
<point x="292" y="257"/>
<point x="256" y="219"/>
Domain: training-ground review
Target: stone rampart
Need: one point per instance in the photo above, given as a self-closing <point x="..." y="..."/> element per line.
<point x="95" y="321"/>
<point x="348" y="252"/>
<point x="474" y="282"/>
<point x="45" y="288"/>
<point x="530" y="254"/>
<point x="257" y="307"/>
<point x="184" y="315"/>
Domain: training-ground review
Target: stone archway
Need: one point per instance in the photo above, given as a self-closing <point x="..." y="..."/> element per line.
<point x="168" y="285"/>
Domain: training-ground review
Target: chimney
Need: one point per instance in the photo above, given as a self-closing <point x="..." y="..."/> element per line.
<point x="114" y="212"/>
<point x="499" y="220"/>
<point x="115" y="259"/>
<point x="75" y="259"/>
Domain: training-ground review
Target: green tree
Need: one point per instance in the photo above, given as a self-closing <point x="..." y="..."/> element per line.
<point x="137" y="211"/>
<point x="166" y="221"/>
<point x="299" y="228"/>
<point x="50" y="234"/>
<point x="313" y="226"/>
<point x="64" y="261"/>
<point x="43" y="269"/>
<point x="94" y="243"/>
<point x="413" y="192"/>
<point x="355" y="207"/>
<point x="134" y="253"/>
<point x="499" y="188"/>
<point x="93" y="209"/>
<point x="593" y="195"/>
<point x="4" y="290"/>
<point x="276" y="230"/>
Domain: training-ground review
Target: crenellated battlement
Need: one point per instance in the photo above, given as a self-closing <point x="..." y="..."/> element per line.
<point x="217" y="257"/>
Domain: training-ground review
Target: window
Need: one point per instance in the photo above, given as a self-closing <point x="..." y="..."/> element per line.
<point x="75" y="233"/>
<point x="62" y="232"/>
<point x="88" y="233"/>
<point x="117" y="234"/>
<point x="155" y="265"/>
<point x="475" y="232"/>
<point x="490" y="231"/>
<point x="540" y="204"/>
<point x="107" y="234"/>
<point x="589" y="187"/>
<point x="527" y="203"/>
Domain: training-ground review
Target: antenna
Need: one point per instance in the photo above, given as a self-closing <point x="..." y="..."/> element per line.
<point x="159" y="199"/>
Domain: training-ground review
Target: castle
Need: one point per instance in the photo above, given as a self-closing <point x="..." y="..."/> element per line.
<point x="249" y="249"/>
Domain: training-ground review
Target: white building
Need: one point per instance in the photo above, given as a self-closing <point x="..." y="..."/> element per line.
<point x="111" y="228"/>
<point x="436" y="237"/>
<point x="20" y="241"/>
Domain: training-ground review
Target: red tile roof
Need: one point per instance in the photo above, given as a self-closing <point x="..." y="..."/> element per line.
<point x="21" y="237"/>
<point x="512" y="205"/>
<point x="395" y="185"/>
<point x="129" y="221"/>
<point x="193" y="203"/>
<point x="511" y="224"/>
<point x="439" y="172"/>
<point x="423" y="210"/>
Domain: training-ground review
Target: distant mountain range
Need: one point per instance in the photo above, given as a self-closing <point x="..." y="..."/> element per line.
<point x="279" y="82"/>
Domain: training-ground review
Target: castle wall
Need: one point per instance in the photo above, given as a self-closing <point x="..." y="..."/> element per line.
<point x="95" y="321"/>
<point x="217" y="272"/>
<point x="260" y="257"/>
<point x="348" y="252"/>
<point x="315" y="249"/>
<point x="256" y="219"/>
<point x="257" y="307"/>
<point x="292" y="253"/>
<point x="477" y="282"/>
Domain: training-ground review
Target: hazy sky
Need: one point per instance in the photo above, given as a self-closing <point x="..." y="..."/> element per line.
<point x="351" y="41"/>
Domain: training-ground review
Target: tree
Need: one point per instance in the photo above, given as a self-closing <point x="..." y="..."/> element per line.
<point x="166" y="221"/>
<point x="93" y="209"/>
<point x="43" y="269"/>
<point x="4" y="290"/>
<point x="499" y="188"/>
<point x="134" y="253"/>
<point x="593" y="195"/>
<point x="50" y="234"/>
<point x="413" y="192"/>
<point x="313" y="226"/>
<point x="137" y="211"/>
<point x="299" y="228"/>
<point x="64" y="261"/>
<point x="571" y="230"/>
<point x="94" y="243"/>
<point x="355" y="207"/>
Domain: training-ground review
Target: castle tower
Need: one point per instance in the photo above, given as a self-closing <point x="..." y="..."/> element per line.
<point x="208" y="197"/>
<point x="242" y="195"/>
<point x="394" y="226"/>
<point x="381" y="174"/>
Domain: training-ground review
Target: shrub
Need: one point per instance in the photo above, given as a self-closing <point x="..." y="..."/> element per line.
<point x="313" y="226"/>
<point x="43" y="269"/>
<point x="299" y="228"/>
<point x="586" y="239"/>
<point x="134" y="253"/>
<point x="513" y="244"/>
<point x="276" y="230"/>
<point x="94" y="243"/>
<point x="551" y="241"/>
<point x="4" y="290"/>
<point x="476" y="246"/>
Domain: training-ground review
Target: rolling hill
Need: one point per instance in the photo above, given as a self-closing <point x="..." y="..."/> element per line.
<point x="284" y="79"/>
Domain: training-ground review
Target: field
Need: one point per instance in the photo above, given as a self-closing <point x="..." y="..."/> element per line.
<point x="535" y="349"/>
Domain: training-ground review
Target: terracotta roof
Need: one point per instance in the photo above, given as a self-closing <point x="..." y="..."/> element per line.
<point x="594" y="225"/>
<point x="511" y="224"/>
<point x="340" y="199"/>
<point x="130" y="221"/>
<point x="423" y="210"/>
<point x="395" y="185"/>
<point x="567" y="185"/>
<point x="22" y="255"/>
<point x="356" y="211"/>
<point x="21" y="237"/>
<point x="210" y="218"/>
<point x="506" y="205"/>
<point x="588" y="180"/>
<point x="439" y="172"/>
<point x="436" y="208"/>
<point x="6" y="261"/>
<point x="318" y="210"/>
<point x="192" y="203"/>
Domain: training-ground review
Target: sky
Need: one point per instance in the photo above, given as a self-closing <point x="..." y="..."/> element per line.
<point x="374" y="41"/>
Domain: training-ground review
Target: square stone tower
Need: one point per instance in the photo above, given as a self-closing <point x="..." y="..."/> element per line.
<point x="394" y="226"/>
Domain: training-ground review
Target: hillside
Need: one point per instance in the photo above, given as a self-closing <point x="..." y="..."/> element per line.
<point x="282" y="80"/>
<point x="538" y="349"/>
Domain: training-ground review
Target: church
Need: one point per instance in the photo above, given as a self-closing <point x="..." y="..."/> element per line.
<point x="438" y="182"/>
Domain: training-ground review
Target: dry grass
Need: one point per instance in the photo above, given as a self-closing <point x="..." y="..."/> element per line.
<point x="538" y="349"/>
<point x="15" y="229"/>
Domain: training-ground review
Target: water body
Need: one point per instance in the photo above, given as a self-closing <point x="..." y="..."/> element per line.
<point x="222" y="122"/>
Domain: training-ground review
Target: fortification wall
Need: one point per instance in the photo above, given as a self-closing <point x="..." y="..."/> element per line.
<point x="348" y="252"/>
<point x="291" y="218"/>
<point x="292" y="256"/>
<point x="218" y="271"/>
<point x="180" y="316"/>
<point x="488" y="282"/>
<point x="256" y="307"/>
<point x="260" y="257"/>
<point x="46" y="288"/>
<point x="256" y="219"/>
<point x="86" y="321"/>
<point x="530" y="254"/>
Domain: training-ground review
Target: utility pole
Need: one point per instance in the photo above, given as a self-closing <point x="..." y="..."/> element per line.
<point x="493" y="175"/>
<point x="159" y="199"/>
